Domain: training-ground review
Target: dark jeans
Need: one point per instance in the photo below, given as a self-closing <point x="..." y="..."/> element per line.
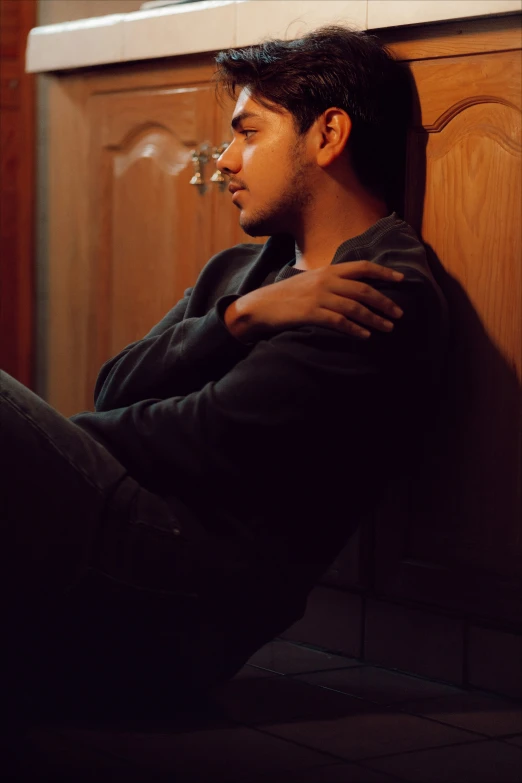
<point x="99" y="588"/>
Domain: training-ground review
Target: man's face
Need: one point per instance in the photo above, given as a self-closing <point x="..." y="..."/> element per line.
<point x="267" y="160"/>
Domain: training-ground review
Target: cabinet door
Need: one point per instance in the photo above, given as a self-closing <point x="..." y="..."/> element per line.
<point x="453" y="538"/>
<point x="17" y="181"/>
<point x="150" y="229"/>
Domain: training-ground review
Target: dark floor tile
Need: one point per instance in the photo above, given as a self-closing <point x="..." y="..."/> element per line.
<point x="224" y="755"/>
<point x="472" y="711"/>
<point x="380" y="686"/>
<point x="517" y="740"/>
<point x="287" y="658"/>
<point x="332" y="620"/>
<point x="334" y="773"/>
<point x="369" y="733"/>
<point x="203" y="714"/>
<point x="414" y="641"/>
<point x="282" y="699"/>
<point x="43" y="756"/>
<point x="249" y="672"/>
<point x="480" y="762"/>
<point x="494" y="661"/>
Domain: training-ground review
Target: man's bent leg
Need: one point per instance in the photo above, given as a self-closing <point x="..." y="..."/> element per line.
<point x="90" y="565"/>
<point x="99" y="583"/>
<point x="56" y="482"/>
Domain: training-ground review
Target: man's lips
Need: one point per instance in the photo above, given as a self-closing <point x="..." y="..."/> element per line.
<point x="235" y="190"/>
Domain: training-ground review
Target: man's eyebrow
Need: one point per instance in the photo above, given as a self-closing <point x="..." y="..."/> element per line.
<point x="244" y="115"/>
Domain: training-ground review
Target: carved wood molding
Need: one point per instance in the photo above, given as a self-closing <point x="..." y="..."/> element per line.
<point x="465" y="103"/>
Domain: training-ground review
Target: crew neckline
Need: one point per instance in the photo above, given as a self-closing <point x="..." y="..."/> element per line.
<point x="368" y="237"/>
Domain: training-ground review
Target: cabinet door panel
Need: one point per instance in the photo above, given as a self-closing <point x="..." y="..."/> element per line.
<point x="151" y="229"/>
<point x="453" y="536"/>
<point x="17" y="149"/>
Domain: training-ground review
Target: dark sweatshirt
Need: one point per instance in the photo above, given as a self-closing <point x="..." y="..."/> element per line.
<point x="272" y="453"/>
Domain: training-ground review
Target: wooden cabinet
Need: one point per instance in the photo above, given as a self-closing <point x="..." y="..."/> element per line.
<point x="449" y="536"/>
<point x="459" y="543"/>
<point x="17" y="182"/>
<point x="129" y="234"/>
<point x="151" y="230"/>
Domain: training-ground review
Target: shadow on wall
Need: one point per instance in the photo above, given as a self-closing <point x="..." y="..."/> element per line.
<point x="448" y="533"/>
<point x="464" y="500"/>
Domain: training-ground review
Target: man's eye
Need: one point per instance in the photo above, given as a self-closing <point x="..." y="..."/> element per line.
<point x="245" y="132"/>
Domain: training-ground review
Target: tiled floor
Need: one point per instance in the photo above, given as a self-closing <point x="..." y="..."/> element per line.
<point x="296" y="715"/>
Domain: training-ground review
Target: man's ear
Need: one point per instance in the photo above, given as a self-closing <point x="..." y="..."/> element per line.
<point x="333" y="128"/>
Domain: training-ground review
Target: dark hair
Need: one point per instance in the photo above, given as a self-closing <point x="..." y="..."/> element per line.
<point x="333" y="66"/>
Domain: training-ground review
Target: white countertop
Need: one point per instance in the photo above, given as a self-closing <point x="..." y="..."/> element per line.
<point x="211" y="25"/>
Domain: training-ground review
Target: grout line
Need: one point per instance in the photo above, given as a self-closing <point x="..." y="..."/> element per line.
<point x="425" y="749"/>
<point x="465" y="653"/>
<point x="387" y="708"/>
<point x="360" y="760"/>
<point x="363" y="618"/>
<point x="462" y="689"/>
<point x="306" y="671"/>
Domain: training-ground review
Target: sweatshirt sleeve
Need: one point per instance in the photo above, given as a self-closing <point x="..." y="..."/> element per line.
<point x="293" y="401"/>
<point x="177" y="356"/>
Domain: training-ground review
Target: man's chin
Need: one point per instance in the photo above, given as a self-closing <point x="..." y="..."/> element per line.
<point x="256" y="228"/>
<point x="252" y="229"/>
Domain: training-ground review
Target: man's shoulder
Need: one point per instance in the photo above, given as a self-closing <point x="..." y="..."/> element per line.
<point x="222" y="275"/>
<point x="397" y="246"/>
<point x="401" y="249"/>
<point x="397" y="243"/>
<point x="232" y="261"/>
<point x="241" y="253"/>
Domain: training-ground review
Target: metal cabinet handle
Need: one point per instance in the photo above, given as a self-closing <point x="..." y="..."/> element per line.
<point x="200" y="157"/>
<point x="216" y="153"/>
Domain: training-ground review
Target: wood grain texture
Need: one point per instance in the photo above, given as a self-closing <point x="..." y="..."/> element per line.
<point x="453" y="38"/>
<point x="128" y="234"/>
<point x="154" y="232"/>
<point x="459" y="543"/>
<point x="17" y="181"/>
<point x="69" y="274"/>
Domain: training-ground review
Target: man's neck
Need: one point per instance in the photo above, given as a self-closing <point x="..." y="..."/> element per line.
<point x="317" y="246"/>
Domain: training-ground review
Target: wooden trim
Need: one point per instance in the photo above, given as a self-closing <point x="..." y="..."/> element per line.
<point x="69" y="273"/>
<point x="450" y="39"/>
<point x="26" y="278"/>
<point x="18" y="279"/>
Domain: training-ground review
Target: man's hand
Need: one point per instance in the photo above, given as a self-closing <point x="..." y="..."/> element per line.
<point x="330" y="296"/>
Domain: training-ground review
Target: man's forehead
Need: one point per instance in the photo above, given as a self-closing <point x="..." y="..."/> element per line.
<point x="248" y="108"/>
<point x="246" y="104"/>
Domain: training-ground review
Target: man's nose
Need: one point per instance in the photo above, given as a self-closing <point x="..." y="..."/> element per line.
<point x="228" y="162"/>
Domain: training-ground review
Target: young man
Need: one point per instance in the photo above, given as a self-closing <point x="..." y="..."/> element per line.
<point x="153" y="545"/>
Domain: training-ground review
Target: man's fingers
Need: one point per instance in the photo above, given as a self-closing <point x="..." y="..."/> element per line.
<point x="361" y="292"/>
<point x="357" y="312"/>
<point x="342" y="324"/>
<point x="357" y="269"/>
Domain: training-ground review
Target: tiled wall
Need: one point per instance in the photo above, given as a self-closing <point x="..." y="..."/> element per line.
<point x="417" y="641"/>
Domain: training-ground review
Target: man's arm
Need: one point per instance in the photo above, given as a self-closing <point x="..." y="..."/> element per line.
<point x="180" y="355"/>
<point x="286" y="403"/>
<point x="155" y="365"/>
